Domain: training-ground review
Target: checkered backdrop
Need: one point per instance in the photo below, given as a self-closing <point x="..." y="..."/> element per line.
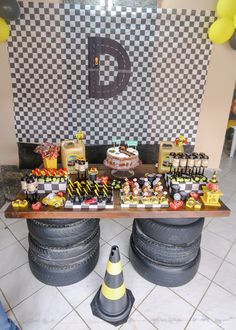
<point x="48" y="49"/>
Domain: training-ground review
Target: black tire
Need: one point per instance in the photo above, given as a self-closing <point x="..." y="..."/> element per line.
<point x="61" y="235"/>
<point x="160" y="274"/>
<point x="165" y="253"/>
<point x="174" y="221"/>
<point x="57" y="222"/>
<point x="65" y="255"/>
<point x="63" y="275"/>
<point x="170" y="234"/>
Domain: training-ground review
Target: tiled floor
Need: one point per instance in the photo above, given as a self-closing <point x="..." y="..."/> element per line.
<point x="208" y="302"/>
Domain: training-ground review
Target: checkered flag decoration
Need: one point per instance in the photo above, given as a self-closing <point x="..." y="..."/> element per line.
<point x="48" y="49"/>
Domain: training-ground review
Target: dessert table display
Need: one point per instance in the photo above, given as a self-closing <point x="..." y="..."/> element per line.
<point x="168" y="211"/>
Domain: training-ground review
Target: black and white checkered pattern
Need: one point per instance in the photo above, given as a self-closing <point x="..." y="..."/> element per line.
<point x="185" y="186"/>
<point x="169" y="53"/>
<point x="49" y="187"/>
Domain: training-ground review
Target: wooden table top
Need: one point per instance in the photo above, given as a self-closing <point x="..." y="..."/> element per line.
<point x="117" y="211"/>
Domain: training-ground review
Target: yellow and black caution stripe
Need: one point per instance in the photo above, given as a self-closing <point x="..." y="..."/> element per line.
<point x="113" y="302"/>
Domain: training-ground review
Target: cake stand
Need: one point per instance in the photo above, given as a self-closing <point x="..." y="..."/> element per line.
<point x="121" y="173"/>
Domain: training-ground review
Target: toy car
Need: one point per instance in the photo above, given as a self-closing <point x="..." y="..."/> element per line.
<point x="54" y="200"/>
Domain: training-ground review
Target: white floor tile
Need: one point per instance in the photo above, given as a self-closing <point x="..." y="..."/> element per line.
<point x="200" y="321"/>
<point x="215" y="244"/>
<point x="10" y="221"/>
<point x="166" y="310"/>
<point x="228" y="189"/>
<point x="2" y="223"/>
<point x="94" y="322"/>
<point x="231" y="220"/>
<point x="222" y="228"/>
<point x="231" y="257"/>
<point x="109" y="229"/>
<point x="103" y="259"/>
<point x="25" y="243"/>
<point x="4" y="207"/>
<point x="226" y="277"/>
<point x="19" y="229"/>
<point x="78" y="292"/>
<point x="102" y="242"/>
<point x="6" y="238"/>
<point x="231" y="203"/>
<point x="5" y="304"/>
<point x="19" y="285"/>
<point x="137" y="284"/>
<point x="12" y="257"/>
<point x="219" y="305"/>
<point x="207" y="222"/>
<point x="137" y="322"/>
<point x="209" y="264"/>
<point x="71" y="322"/>
<point x="122" y="240"/>
<point x="125" y="222"/>
<point x="43" y="310"/>
<point x="193" y="291"/>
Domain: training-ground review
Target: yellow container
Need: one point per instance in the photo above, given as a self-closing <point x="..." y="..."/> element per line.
<point x="70" y="151"/>
<point x="50" y="163"/>
<point x="165" y="149"/>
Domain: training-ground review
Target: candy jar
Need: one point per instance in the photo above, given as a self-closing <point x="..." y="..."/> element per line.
<point x="24" y="183"/>
<point x="183" y="163"/>
<point x="190" y="164"/>
<point x="197" y="163"/>
<point x="175" y="163"/>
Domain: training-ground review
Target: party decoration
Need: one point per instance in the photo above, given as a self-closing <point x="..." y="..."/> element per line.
<point x="232" y="41"/>
<point x="221" y="30"/>
<point x="4" y="30"/>
<point x="226" y="8"/>
<point x="9" y="9"/>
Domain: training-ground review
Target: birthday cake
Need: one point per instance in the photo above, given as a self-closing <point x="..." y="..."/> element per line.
<point x="122" y="158"/>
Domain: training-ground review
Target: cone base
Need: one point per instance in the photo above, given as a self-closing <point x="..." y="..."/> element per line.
<point x="117" y="319"/>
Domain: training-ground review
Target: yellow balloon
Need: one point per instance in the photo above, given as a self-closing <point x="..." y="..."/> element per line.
<point x="221" y="30"/>
<point x="4" y="30"/>
<point x="226" y="8"/>
<point x="235" y="21"/>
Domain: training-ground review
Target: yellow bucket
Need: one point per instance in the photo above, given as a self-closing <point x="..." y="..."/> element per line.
<point x="50" y="163"/>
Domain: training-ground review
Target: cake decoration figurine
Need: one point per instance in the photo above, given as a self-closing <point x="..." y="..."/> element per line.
<point x="81" y="165"/>
<point x="29" y="186"/>
<point x="93" y="172"/>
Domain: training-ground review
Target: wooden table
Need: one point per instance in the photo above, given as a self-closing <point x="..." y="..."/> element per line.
<point x="151" y="271"/>
<point x="117" y="211"/>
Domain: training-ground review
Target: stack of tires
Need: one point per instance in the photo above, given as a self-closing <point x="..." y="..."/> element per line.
<point x="63" y="251"/>
<point x="166" y="251"/>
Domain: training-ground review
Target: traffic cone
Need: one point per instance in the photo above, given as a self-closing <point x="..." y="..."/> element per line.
<point x="113" y="302"/>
